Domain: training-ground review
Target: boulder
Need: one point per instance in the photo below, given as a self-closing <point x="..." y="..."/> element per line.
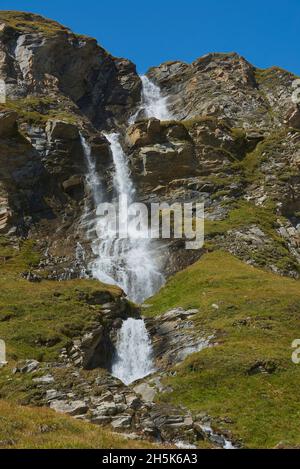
<point x="28" y="366"/>
<point x="143" y="133"/>
<point x="121" y="423"/>
<point x="107" y="408"/>
<point x="70" y="408"/>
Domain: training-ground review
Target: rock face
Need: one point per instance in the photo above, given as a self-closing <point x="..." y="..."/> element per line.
<point x="174" y="337"/>
<point x="234" y="140"/>
<point x="227" y="86"/>
<point x="233" y="144"/>
<point x="49" y="59"/>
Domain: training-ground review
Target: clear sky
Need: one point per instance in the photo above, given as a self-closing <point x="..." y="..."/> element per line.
<point x="266" y="32"/>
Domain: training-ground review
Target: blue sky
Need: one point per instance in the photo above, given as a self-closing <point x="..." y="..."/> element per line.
<point x="150" y="32"/>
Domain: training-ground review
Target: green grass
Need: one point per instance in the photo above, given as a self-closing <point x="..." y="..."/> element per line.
<point x="32" y="23"/>
<point x="244" y="214"/>
<point x="40" y="109"/>
<point x="38" y="319"/>
<point x="36" y="428"/>
<point x="257" y="320"/>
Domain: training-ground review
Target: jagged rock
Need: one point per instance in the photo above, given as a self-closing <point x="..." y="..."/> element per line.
<point x="70" y="408"/>
<point x="28" y="366"/>
<point x="230" y="88"/>
<point x="53" y="394"/>
<point x="121" y="423"/>
<point x="75" y="182"/>
<point x="132" y="401"/>
<point x="174" y="337"/>
<point x="100" y="419"/>
<point x="106" y="409"/>
<point x="5" y="214"/>
<point x="144" y="133"/>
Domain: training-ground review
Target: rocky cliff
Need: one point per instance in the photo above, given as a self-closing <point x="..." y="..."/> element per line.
<point x="233" y="142"/>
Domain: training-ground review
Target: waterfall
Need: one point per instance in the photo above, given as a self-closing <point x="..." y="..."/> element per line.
<point x="134" y="352"/>
<point x="122" y="181"/>
<point x="153" y="103"/>
<point x="92" y="178"/>
<point x="128" y="262"/>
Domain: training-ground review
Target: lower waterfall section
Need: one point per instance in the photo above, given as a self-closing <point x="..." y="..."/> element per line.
<point x="133" y="352"/>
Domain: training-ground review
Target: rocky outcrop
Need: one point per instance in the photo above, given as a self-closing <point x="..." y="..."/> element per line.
<point x="174" y="337"/>
<point x="158" y="153"/>
<point x="103" y="400"/>
<point x="49" y="60"/>
<point x="227" y="86"/>
<point x="234" y="138"/>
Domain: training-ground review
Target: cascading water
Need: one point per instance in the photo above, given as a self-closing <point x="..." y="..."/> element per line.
<point x="128" y="262"/>
<point x="92" y="178"/>
<point x="153" y="103"/>
<point x="134" y="352"/>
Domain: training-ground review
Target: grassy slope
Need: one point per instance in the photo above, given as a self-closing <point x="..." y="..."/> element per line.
<point x="257" y="320"/>
<point x="38" y="319"/>
<point x="24" y="427"/>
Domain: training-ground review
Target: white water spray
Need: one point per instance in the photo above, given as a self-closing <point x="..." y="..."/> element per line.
<point x="134" y="352"/>
<point x="92" y="178"/>
<point x="128" y="262"/>
<point x="153" y="104"/>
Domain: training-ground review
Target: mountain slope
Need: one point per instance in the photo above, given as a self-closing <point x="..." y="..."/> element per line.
<point x="246" y="381"/>
<point x="233" y="142"/>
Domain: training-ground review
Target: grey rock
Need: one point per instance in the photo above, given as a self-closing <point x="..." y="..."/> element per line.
<point x="107" y="408"/>
<point x="122" y="423"/>
<point x="47" y="379"/>
<point x="70" y="408"/>
<point x="28" y="366"/>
